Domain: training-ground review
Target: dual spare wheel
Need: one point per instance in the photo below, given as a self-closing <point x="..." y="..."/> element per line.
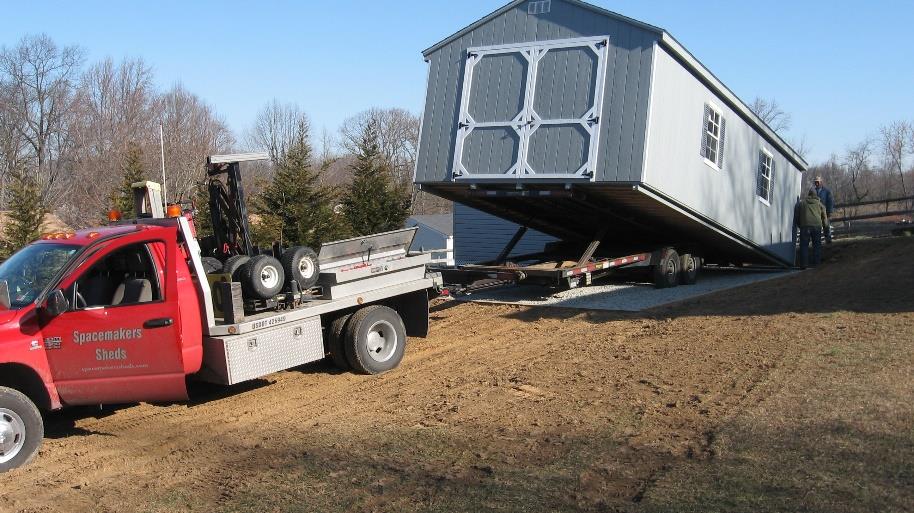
<point x="263" y="276"/>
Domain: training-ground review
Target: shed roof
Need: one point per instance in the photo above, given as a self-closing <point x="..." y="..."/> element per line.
<point x="679" y="52"/>
<point x="441" y="223"/>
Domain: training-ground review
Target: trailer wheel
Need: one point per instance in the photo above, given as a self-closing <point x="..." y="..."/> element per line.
<point x="233" y="264"/>
<point x="666" y="272"/>
<point x="688" y="269"/>
<point x="262" y="277"/>
<point x="300" y="264"/>
<point x="211" y="265"/>
<point x="375" y="340"/>
<point x="21" y="429"/>
<point x="335" y="342"/>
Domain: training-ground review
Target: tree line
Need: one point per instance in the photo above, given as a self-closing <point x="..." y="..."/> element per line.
<point x="74" y="135"/>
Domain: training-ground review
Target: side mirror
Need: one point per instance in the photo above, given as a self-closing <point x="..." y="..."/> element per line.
<point x="57" y="303"/>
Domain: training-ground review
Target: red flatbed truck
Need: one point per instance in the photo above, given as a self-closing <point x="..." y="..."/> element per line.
<point x="126" y="313"/>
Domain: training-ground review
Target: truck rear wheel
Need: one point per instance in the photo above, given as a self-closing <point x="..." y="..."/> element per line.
<point x="666" y="271"/>
<point x="262" y="277"/>
<point x="21" y="429"/>
<point x="689" y="266"/>
<point x="335" y="342"/>
<point x="375" y="340"/>
<point x="300" y="264"/>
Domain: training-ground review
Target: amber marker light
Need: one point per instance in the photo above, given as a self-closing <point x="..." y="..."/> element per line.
<point x="173" y="211"/>
<point x="114" y="215"/>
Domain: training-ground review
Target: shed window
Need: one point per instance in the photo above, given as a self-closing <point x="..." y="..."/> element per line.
<point x="765" y="176"/>
<point x="712" y="143"/>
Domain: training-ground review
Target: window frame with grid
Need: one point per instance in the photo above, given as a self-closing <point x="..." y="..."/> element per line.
<point x="765" y="181"/>
<point x="713" y="130"/>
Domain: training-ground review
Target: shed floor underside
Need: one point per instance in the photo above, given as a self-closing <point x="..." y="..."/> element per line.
<point x="634" y="218"/>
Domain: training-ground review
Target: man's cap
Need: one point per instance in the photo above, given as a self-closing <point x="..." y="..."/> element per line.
<point x="818" y="179"/>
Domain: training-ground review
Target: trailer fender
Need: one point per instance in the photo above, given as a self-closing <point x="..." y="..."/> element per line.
<point x="413" y="309"/>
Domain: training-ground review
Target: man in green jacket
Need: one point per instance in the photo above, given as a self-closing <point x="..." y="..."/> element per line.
<point x="811" y="218"/>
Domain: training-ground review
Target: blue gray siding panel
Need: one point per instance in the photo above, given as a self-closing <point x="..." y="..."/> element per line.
<point x="479" y="237"/>
<point x="624" y="114"/>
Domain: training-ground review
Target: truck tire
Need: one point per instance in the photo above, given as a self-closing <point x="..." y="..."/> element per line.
<point x="689" y="266"/>
<point x="21" y="429"/>
<point x="262" y="277"/>
<point x="300" y="264"/>
<point x="335" y="346"/>
<point x="233" y="264"/>
<point x="666" y="271"/>
<point x="211" y="265"/>
<point x="375" y="340"/>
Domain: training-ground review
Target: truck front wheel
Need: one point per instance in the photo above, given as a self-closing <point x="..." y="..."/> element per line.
<point x="375" y="340"/>
<point x="21" y="429"/>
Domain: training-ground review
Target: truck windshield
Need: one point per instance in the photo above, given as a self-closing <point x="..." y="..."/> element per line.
<point x="32" y="268"/>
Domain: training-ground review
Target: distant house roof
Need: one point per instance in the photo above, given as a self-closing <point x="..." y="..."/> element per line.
<point x="678" y="51"/>
<point x="441" y="223"/>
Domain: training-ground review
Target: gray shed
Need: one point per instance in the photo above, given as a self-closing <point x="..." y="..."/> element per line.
<point x="570" y="119"/>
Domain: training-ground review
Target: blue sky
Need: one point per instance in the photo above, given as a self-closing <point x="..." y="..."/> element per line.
<point x="840" y="69"/>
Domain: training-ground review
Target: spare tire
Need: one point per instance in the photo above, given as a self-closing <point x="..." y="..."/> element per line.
<point x="261" y="277"/>
<point x="233" y="264"/>
<point x="300" y="264"/>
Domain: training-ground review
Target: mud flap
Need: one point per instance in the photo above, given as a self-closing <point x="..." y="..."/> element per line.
<point x="413" y="309"/>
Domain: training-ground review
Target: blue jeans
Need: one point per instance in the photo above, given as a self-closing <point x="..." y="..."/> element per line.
<point x="807" y="234"/>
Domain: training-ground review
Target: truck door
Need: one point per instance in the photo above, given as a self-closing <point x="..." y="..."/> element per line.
<point x="120" y="341"/>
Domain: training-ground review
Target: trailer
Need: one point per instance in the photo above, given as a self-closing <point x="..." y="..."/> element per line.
<point x="130" y="311"/>
<point x="606" y="133"/>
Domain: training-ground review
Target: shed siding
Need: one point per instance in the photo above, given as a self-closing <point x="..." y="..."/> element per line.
<point x="626" y="90"/>
<point x="479" y="237"/>
<point x="675" y="167"/>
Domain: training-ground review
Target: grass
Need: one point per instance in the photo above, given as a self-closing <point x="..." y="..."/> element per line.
<point x="837" y="437"/>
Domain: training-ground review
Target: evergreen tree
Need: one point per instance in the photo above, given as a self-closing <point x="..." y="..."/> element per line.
<point x="26" y="214"/>
<point x="294" y="208"/>
<point x="373" y="202"/>
<point x="122" y="196"/>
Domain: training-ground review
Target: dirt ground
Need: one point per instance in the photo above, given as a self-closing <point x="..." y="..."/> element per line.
<point x="787" y="395"/>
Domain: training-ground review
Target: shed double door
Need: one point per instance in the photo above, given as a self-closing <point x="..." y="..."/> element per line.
<point x="531" y="110"/>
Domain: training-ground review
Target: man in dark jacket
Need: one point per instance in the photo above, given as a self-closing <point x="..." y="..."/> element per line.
<point x="811" y="218"/>
<point x="825" y="197"/>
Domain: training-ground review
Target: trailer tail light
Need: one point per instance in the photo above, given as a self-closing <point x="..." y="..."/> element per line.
<point x="173" y="211"/>
<point x="114" y="215"/>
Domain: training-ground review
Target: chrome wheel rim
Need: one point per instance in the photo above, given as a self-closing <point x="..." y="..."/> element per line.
<point x="306" y="267"/>
<point x="382" y="341"/>
<point x="269" y="276"/>
<point x="12" y="434"/>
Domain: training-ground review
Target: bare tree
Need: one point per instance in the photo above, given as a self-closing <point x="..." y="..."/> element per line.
<point x="772" y="114"/>
<point x="858" y="163"/>
<point x="896" y="147"/>
<point x="276" y="128"/>
<point x="192" y="131"/>
<point x="116" y="108"/>
<point x="41" y="78"/>
<point x="398" y="137"/>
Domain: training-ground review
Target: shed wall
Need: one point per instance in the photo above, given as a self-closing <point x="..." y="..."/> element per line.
<point x="626" y="86"/>
<point x="479" y="237"/>
<point x="675" y="167"/>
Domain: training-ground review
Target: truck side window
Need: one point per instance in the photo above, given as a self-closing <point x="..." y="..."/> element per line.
<point x="126" y="276"/>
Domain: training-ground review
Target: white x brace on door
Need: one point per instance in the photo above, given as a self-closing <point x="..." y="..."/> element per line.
<point x="531" y="110"/>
